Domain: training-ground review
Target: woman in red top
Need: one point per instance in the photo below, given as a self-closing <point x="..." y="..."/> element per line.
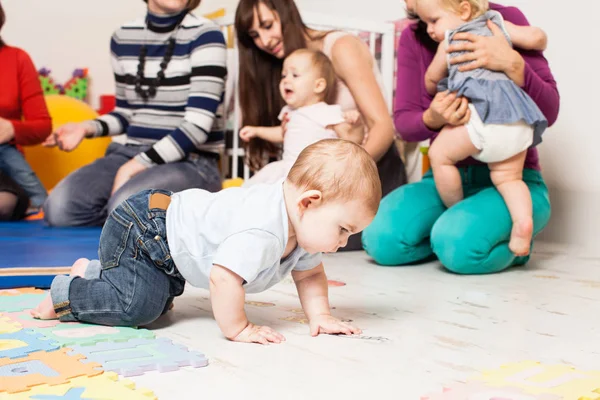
<point x="24" y="120"/>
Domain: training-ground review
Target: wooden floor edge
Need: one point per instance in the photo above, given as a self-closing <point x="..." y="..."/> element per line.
<point x="34" y="271"/>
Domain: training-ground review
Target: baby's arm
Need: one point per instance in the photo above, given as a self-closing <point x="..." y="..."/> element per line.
<point x="312" y="290"/>
<point x="273" y="134"/>
<point x="438" y="69"/>
<point x="526" y="37"/>
<point x="351" y="129"/>
<point x="227" y="297"/>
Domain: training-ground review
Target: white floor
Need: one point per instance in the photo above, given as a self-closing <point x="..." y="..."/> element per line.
<point x="423" y="328"/>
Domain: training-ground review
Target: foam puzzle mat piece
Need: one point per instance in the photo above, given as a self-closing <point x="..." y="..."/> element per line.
<point x="20" y="291"/>
<point x="80" y="334"/>
<point x="8" y="325"/>
<point x="101" y="387"/>
<point x="20" y="343"/>
<point x="481" y="391"/>
<point x="532" y="377"/>
<point x="137" y="356"/>
<point x="25" y="319"/>
<point x="20" y="303"/>
<point x="39" y="368"/>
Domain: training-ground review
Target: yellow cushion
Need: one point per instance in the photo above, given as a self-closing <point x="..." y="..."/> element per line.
<point x="52" y="164"/>
<point x="219" y="14"/>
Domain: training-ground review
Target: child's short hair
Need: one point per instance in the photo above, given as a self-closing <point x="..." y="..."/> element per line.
<point x="340" y="170"/>
<point x="325" y="69"/>
<point x="478" y="7"/>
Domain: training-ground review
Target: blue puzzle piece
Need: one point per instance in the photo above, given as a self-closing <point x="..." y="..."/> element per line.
<point x="27" y="368"/>
<point x="72" y="394"/>
<point x="20" y="303"/>
<point x="33" y="340"/>
<point x="137" y="356"/>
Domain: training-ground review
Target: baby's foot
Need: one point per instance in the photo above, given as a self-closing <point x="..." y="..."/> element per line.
<point x="520" y="237"/>
<point x="44" y="310"/>
<point x="79" y="267"/>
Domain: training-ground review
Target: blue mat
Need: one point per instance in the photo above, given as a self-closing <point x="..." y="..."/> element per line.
<point x="31" y="253"/>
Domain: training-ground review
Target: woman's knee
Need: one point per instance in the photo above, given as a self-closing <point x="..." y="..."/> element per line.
<point x="8" y="204"/>
<point x="460" y="249"/>
<point x="385" y="245"/>
<point x="58" y="207"/>
<point x="399" y="233"/>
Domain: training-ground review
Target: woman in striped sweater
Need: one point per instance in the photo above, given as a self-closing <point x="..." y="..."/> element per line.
<point x="170" y="69"/>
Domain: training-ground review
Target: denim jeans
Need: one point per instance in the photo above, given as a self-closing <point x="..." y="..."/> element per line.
<point x="84" y="197"/>
<point x="13" y="164"/>
<point x="135" y="279"/>
<point x="471" y="237"/>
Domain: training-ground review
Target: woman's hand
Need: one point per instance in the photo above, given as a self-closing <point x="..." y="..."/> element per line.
<point x="7" y="131"/>
<point x="447" y="109"/>
<point x="490" y="52"/>
<point x="127" y="171"/>
<point x="68" y="136"/>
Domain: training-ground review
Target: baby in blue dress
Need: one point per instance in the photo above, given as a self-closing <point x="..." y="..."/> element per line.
<point x="504" y="121"/>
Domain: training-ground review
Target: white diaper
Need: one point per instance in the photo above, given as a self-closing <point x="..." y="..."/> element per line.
<point x="498" y="142"/>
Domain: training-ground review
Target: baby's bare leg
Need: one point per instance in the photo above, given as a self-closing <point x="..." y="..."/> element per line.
<point x="45" y="310"/>
<point x="508" y="178"/>
<point x="451" y="146"/>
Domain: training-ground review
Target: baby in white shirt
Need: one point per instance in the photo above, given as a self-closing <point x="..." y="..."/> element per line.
<point x="308" y="84"/>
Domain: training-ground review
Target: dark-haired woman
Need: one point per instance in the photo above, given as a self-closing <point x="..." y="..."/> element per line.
<point x="267" y="31"/>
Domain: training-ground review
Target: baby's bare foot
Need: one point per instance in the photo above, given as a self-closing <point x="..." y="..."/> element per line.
<point x="520" y="237"/>
<point x="79" y="267"/>
<point x="44" y="310"/>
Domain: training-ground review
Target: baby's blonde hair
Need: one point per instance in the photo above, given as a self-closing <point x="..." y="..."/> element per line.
<point x="325" y="70"/>
<point x="478" y="7"/>
<point x="340" y="170"/>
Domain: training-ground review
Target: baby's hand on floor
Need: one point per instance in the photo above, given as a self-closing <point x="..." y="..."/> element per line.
<point x="259" y="334"/>
<point x="328" y="324"/>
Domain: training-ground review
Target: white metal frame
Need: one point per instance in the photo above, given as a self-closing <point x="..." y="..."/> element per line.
<point x="374" y="29"/>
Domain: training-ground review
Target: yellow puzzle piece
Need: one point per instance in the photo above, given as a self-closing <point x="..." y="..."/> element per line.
<point x="105" y="386"/>
<point x="535" y="378"/>
<point x="8" y="326"/>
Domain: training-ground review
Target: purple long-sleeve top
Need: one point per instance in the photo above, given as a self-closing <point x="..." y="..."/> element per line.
<point x="412" y="99"/>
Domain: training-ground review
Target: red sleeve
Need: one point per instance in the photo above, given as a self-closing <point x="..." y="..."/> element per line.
<point x="36" y="124"/>
<point x="539" y="82"/>
<point x="408" y="106"/>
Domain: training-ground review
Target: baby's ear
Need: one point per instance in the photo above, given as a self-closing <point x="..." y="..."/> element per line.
<point x="320" y="85"/>
<point x="466" y="10"/>
<point x="310" y="198"/>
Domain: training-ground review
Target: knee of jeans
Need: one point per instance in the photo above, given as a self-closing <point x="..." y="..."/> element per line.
<point x="147" y="305"/>
<point x="457" y="249"/>
<point x="143" y="314"/>
<point x="385" y="246"/>
<point x="57" y="208"/>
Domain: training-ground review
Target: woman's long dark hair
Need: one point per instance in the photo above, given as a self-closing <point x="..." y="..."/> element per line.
<point x="260" y="72"/>
<point x="2" y="20"/>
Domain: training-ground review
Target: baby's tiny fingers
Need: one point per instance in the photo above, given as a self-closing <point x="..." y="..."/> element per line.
<point x="270" y="337"/>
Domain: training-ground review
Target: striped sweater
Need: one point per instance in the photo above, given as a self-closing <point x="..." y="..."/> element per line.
<point x="182" y="117"/>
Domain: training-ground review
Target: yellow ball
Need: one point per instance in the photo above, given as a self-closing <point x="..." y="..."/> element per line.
<point x="52" y="164"/>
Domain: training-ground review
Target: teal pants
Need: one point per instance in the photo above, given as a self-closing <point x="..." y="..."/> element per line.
<point x="471" y="237"/>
